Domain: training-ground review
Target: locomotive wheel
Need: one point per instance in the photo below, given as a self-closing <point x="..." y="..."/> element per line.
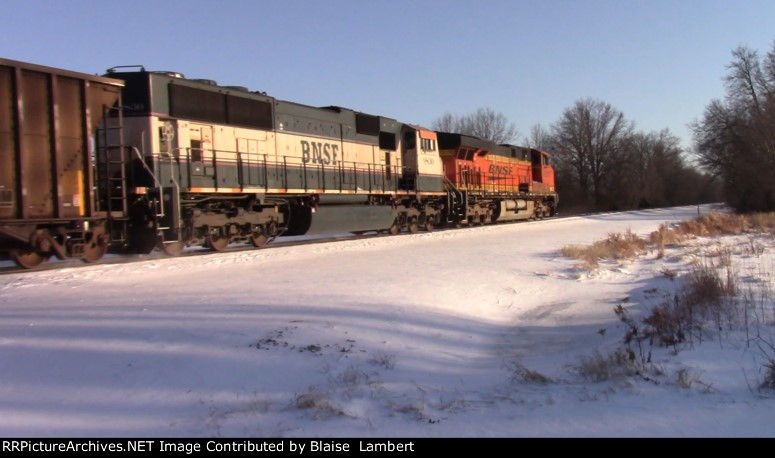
<point x="412" y="228"/>
<point x="217" y="243"/>
<point x="259" y="240"/>
<point x="28" y="259"/>
<point x="94" y="250"/>
<point x="173" y="249"/>
<point x="393" y="229"/>
<point x="428" y="225"/>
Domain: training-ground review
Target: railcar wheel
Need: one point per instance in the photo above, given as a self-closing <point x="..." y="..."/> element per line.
<point x="28" y="259"/>
<point x="217" y="243"/>
<point x="259" y="240"/>
<point x="173" y="249"/>
<point x="428" y="225"/>
<point x="94" y="250"/>
<point x="393" y="229"/>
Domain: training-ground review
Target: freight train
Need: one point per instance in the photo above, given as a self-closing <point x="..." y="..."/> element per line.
<point x="136" y="160"/>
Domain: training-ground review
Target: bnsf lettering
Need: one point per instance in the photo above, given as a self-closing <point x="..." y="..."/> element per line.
<point x="319" y="153"/>
<point x="500" y="170"/>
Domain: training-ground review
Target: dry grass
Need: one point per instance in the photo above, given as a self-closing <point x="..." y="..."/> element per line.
<point x="704" y="305"/>
<point x="600" y="367"/>
<point x="713" y="224"/>
<point x="627" y="245"/>
<point x="684" y="379"/>
<point x="706" y="296"/>
<point x="521" y="374"/>
<point x="768" y="380"/>
<point x="762" y="222"/>
<point x="385" y="360"/>
<point x="707" y="285"/>
<point x="753" y="247"/>
<point x="624" y="245"/>
<point x="317" y="402"/>
<point x="664" y="237"/>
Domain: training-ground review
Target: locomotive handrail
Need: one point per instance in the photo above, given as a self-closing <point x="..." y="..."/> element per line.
<point x="172" y="176"/>
<point x="370" y="182"/>
<point x="153" y="176"/>
<point x="113" y="69"/>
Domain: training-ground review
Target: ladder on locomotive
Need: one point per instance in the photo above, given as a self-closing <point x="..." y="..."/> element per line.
<point x="457" y="202"/>
<point x="111" y="170"/>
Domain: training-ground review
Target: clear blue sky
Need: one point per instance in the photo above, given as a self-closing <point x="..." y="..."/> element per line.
<point x="658" y="61"/>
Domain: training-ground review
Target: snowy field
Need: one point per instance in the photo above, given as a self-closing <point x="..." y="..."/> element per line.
<point x="413" y="335"/>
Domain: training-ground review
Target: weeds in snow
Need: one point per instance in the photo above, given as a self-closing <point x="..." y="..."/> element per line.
<point x="521" y="374"/>
<point x="384" y="360"/>
<point x="768" y="380"/>
<point x="628" y="245"/>
<point x="317" y="402"/>
<point x="600" y="367"/>
<point x="625" y="245"/>
<point x="753" y="247"/>
<point x="709" y="302"/>
<point x="684" y="379"/>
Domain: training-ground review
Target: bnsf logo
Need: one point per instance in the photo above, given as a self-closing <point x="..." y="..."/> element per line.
<point x="319" y="152"/>
<point x="500" y="170"/>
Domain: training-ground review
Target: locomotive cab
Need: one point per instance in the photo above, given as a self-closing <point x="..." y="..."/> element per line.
<point x="542" y="171"/>
<point x="422" y="167"/>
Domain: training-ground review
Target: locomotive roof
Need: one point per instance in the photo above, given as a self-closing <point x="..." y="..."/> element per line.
<point x="448" y="140"/>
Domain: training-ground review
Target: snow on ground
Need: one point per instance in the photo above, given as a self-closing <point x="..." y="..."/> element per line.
<point x="413" y="335"/>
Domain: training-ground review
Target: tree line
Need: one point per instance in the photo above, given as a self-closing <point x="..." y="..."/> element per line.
<point x="735" y="138"/>
<point x="601" y="161"/>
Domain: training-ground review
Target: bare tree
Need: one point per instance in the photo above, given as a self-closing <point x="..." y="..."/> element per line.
<point x="735" y="139"/>
<point x="651" y="171"/>
<point x="588" y="139"/>
<point x="745" y="82"/>
<point x="484" y="123"/>
<point x="539" y="138"/>
<point x="447" y="122"/>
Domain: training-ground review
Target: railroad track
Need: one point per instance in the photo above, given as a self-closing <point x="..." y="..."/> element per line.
<point x="8" y="267"/>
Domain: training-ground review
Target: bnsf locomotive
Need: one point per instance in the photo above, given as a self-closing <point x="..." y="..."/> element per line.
<point x="136" y="160"/>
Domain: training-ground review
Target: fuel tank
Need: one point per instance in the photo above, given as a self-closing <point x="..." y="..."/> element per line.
<point x="515" y="209"/>
<point x="331" y="219"/>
